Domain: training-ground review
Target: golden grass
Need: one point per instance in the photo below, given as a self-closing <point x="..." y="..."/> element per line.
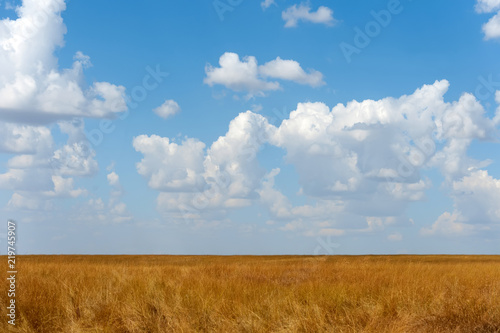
<point x="257" y="294"/>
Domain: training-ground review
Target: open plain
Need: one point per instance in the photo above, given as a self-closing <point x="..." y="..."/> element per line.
<point x="257" y="294"/>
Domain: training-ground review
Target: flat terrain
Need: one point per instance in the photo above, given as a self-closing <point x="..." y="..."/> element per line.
<point x="256" y="294"/>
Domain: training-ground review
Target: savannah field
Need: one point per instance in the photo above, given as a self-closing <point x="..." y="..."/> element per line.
<point x="256" y="294"/>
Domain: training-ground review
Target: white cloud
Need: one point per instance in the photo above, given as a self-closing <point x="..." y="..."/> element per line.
<point x="41" y="172"/>
<point x="238" y="75"/>
<point x="491" y="28"/>
<point x="63" y="187"/>
<point x="167" y="109"/>
<point x="114" y="182"/>
<point x="32" y="88"/>
<point x="278" y="204"/>
<point x="267" y="3"/>
<point x="192" y="181"/>
<point x="113" y="179"/>
<point x="476" y="199"/>
<point x="247" y="76"/>
<point x="290" y="70"/>
<point x="234" y="155"/>
<point x="487" y="6"/>
<point x="76" y="159"/>
<point x="171" y="166"/>
<point x="26" y="202"/>
<point x="477" y="196"/>
<point x="358" y="164"/>
<point x="34" y="91"/>
<point x="23" y="139"/>
<point x="36" y="199"/>
<point x="448" y="224"/>
<point x="294" y="14"/>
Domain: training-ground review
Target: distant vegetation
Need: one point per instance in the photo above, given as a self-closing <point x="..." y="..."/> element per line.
<point x="256" y="294"/>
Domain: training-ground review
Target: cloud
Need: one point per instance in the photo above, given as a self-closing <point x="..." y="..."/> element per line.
<point x="200" y="185"/>
<point x="491" y="29"/>
<point x="41" y="172"/>
<point x="114" y="182"/>
<point x="238" y="75"/>
<point x="227" y="174"/>
<point x="113" y="179"/>
<point x="76" y="159"/>
<point x="168" y="165"/>
<point x="448" y="224"/>
<point x="167" y="109"/>
<point x="359" y="164"/>
<point x="234" y="155"/>
<point x="487" y="6"/>
<point x="247" y="76"/>
<point x="267" y="3"/>
<point x="294" y="14"/>
<point x="35" y="93"/>
<point x="97" y="210"/>
<point x="290" y="70"/>
<point x="36" y="200"/>
<point x="19" y="201"/>
<point x="32" y="88"/>
<point x="63" y="187"/>
<point x="476" y="197"/>
<point x="23" y="139"/>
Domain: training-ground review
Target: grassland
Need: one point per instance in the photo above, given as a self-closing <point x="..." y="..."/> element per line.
<point x="256" y="294"/>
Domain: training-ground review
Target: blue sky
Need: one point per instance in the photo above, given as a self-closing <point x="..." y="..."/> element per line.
<point x="238" y="127"/>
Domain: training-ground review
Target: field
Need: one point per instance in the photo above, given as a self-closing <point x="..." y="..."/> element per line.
<point x="256" y="294"/>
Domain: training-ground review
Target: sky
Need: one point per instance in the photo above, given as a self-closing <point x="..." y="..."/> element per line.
<point x="250" y="127"/>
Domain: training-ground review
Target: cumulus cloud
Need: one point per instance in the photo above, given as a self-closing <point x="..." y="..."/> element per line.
<point x="245" y="75"/>
<point x="491" y="28"/>
<point x="476" y="197"/>
<point x="294" y="14"/>
<point x="41" y="171"/>
<point x="35" y="200"/>
<point x="63" y="187"/>
<point x="32" y="87"/>
<point x="76" y="159"/>
<point x="36" y="93"/>
<point x="26" y="202"/>
<point x="448" y="224"/>
<point x="290" y="70"/>
<point x="168" y="165"/>
<point x="487" y="6"/>
<point x="238" y="75"/>
<point x="359" y="163"/>
<point x="194" y="180"/>
<point x="167" y="109"/>
<point x="23" y="139"/>
<point x="45" y="172"/>
<point x="113" y="179"/>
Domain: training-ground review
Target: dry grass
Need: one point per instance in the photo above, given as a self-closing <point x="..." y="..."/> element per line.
<point x="257" y="294"/>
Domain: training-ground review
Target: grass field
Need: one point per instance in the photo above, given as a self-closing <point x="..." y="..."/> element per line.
<point x="256" y="294"/>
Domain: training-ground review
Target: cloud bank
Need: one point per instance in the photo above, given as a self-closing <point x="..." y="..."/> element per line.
<point x="360" y="163"/>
